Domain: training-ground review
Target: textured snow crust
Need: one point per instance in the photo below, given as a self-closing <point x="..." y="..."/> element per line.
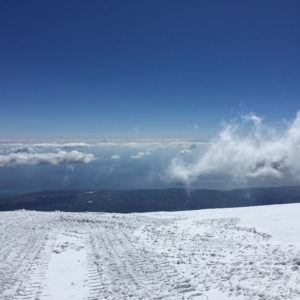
<point x="239" y="253"/>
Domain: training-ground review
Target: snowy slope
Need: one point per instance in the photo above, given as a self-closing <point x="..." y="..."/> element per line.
<point x="239" y="253"/>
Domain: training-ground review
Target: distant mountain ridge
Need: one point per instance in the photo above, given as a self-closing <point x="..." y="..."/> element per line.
<point x="149" y="200"/>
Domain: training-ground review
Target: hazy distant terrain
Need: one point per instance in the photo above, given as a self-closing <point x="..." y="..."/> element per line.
<point x="149" y="200"/>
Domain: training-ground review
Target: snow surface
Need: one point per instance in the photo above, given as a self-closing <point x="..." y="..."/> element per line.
<point x="236" y="253"/>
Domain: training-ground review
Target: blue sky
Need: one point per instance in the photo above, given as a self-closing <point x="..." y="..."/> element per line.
<point x="100" y="69"/>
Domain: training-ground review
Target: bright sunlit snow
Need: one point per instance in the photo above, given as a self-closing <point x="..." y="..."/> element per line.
<point x="239" y="253"/>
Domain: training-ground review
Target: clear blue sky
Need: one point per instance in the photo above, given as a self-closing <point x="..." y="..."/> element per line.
<point x="145" y="68"/>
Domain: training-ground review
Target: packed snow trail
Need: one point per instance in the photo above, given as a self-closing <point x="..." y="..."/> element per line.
<point x="209" y="254"/>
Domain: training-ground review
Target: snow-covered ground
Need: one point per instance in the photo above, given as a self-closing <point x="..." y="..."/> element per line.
<point x="237" y="253"/>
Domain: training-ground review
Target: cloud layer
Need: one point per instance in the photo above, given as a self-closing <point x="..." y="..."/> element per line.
<point x="46" y="158"/>
<point x="243" y="150"/>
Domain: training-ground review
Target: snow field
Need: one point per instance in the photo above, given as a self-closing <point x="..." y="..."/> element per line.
<point x="209" y="254"/>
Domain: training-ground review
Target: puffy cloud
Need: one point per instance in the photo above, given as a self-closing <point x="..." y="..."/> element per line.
<point x="48" y="158"/>
<point x="243" y="150"/>
<point x="115" y="157"/>
<point x="140" y="155"/>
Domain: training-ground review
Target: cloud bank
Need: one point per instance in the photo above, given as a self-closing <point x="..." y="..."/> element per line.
<point x="30" y="147"/>
<point x="150" y="144"/>
<point x="143" y="145"/>
<point x="243" y="150"/>
<point x="47" y="158"/>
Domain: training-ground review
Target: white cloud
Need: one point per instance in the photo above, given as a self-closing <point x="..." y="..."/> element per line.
<point x="254" y="118"/>
<point x="48" y="158"/>
<point x="139" y="144"/>
<point x="24" y="148"/>
<point x="115" y="157"/>
<point x="242" y="151"/>
<point x="61" y="145"/>
<point x="140" y="155"/>
<point x="30" y="147"/>
<point x="185" y="151"/>
<point x="151" y="144"/>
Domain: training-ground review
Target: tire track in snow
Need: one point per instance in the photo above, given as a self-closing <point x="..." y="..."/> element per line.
<point x="22" y="240"/>
<point x="141" y="257"/>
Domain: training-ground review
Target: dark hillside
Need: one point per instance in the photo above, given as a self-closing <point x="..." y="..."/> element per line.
<point x="149" y="200"/>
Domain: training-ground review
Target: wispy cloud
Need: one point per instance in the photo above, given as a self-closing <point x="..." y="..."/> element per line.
<point x="68" y="175"/>
<point x="48" y="158"/>
<point x="242" y="150"/>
